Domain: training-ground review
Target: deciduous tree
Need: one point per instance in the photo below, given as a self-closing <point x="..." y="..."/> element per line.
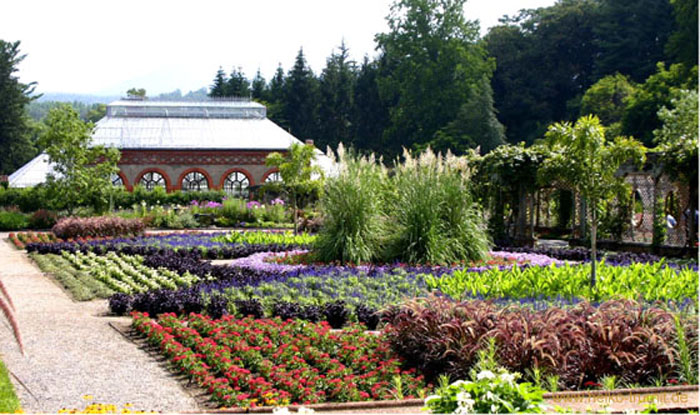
<point x="431" y="61"/>
<point x="299" y="176"/>
<point x="585" y="161"/>
<point x="81" y="174"/>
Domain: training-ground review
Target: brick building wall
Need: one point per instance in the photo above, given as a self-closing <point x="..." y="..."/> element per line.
<point x="173" y="165"/>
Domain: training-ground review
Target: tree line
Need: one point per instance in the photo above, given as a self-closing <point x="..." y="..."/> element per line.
<point x="435" y="82"/>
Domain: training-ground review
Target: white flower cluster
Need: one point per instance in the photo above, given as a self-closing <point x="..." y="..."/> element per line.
<point x="127" y="274"/>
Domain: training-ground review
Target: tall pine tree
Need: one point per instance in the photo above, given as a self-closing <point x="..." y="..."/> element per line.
<point x="276" y="108"/>
<point x="370" y="115"/>
<point x="335" y="111"/>
<point x="258" y="90"/>
<point x="301" y="92"/>
<point x="220" y="86"/>
<point x="238" y="84"/>
<point x="15" y="128"/>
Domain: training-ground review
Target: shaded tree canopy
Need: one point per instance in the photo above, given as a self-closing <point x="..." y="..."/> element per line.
<point x="431" y="61"/>
<point x="435" y="83"/>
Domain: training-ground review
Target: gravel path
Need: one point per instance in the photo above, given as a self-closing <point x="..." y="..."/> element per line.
<point x="72" y="351"/>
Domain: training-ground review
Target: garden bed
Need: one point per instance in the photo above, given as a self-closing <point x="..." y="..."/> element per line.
<point x="668" y="399"/>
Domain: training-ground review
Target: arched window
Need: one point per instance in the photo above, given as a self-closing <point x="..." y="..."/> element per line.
<point x="236" y="184"/>
<point x="116" y="180"/>
<point x="151" y="180"/>
<point x="273" y="177"/>
<point x="195" y="181"/>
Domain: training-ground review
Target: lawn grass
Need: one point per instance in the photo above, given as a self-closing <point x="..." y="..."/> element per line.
<point x="9" y="403"/>
<point x="81" y="285"/>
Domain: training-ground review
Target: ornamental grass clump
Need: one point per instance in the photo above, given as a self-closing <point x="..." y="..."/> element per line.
<point x="354" y="223"/>
<point x="420" y="213"/>
<point x="434" y="219"/>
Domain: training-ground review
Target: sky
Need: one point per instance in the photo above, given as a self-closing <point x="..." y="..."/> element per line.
<point x="105" y="48"/>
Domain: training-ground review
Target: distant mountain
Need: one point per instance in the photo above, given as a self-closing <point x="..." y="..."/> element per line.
<point x="176" y="95"/>
<point x="83" y="98"/>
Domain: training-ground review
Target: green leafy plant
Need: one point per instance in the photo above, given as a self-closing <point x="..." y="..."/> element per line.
<point x="488" y="392"/>
<point x="13" y="221"/>
<point x="687" y="364"/>
<point x="300" y="177"/>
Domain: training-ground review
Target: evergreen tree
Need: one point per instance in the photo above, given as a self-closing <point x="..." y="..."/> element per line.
<point x="301" y="103"/>
<point x="238" y="85"/>
<point x="15" y="128"/>
<point x="335" y="110"/>
<point x="475" y="126"/>
<point x="370" y="115"/>
<point x="219" y="88"/>
<point x="276" y="109"/>
<point x="258" y="90"/>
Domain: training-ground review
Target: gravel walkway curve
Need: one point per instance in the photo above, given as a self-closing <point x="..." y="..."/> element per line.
<point x="72" y="351"/>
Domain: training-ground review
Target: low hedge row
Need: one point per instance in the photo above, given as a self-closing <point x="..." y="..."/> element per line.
<point x="97" y="226"/>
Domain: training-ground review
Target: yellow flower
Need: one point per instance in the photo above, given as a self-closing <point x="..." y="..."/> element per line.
<point x="88" y="397"/>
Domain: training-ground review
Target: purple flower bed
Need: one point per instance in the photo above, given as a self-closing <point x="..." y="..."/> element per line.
<point x="584" y="255"/>
<point x="261" y="262"/>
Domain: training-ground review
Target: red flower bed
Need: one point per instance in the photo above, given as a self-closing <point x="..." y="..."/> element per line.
<point x="21" y="239"/>
<point x="249" y="362"/>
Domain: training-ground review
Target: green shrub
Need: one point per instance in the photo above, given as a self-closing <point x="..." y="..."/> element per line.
<point x="275" y="212"/>
<point x="12" y="221"/>
<point x="27" y="199"/>
<point x="171" y="219"/>
<point x="42" y="219"/>
<point x="354" y="228"/>
<point x="234" y="211"/>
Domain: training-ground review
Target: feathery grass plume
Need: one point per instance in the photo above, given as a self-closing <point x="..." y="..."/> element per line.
<point x="8" y="310"/>
<point x="434" y="218"/>
<point x="4" y="291"/>
<point x="354" y="223"/>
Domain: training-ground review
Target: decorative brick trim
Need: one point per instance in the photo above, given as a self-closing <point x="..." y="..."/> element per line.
<point x="193" y="157"/>
<point x="127" y="185"/>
